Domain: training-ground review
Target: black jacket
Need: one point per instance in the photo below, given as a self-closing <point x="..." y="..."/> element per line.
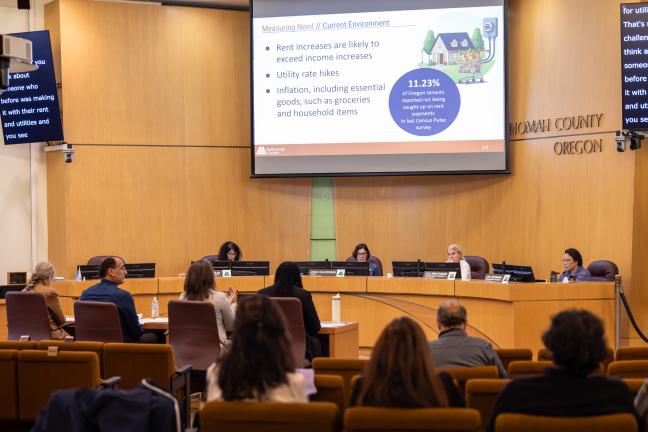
<point x="311" y="320"/>
<point x="561" y="393"/>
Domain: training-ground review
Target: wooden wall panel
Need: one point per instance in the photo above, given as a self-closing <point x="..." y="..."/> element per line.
<point x="172" y="205"/>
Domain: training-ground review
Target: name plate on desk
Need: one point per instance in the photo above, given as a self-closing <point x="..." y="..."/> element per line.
<point x="322" y="272"/>
<point x="497" y="278"/>
<point x="440" y="275"/>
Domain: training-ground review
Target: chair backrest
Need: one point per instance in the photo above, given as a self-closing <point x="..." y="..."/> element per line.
<point x="545" y="355"/>
<point x="507" y="355"/>
<point x="210" y="258"/>
<point x="134" y="362"/>
<point x="345" y="368"/>
<point x="40" y="374"/>
<point x="420" y="419"/>
<point x="17" y="345"/>
<point x="292" y="310"/>
<point x="520" y="422"/>
<point x="632" y="353"/>
<point x="330" y="388"/>
<point x="97" y="322"/>
<point x="603" y="270"/>
<point x="97" y="260"/>
<point x="629" y="369"/>
<point x="479" y="267"/>
<point x="463" y="374"/>
<point x="528" y="368"/>
<point x="376" y="260"/>
<point x="9" y="387"/>
<point x="95" y="347"/>
<point x="634" y="384"/>
<point x="269" y="416"/>
<point x="481" y="394"/>
<point x="27" y="314"/>
<point x="193" y="333"/>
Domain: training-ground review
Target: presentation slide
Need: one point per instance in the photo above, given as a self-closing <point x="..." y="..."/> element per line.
<point x="373" y="87"/>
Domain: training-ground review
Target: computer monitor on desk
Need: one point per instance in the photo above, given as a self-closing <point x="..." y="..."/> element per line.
<point x="4" y="289"/>
<point x="306" y="266"/>
<point x="352" y="268"/>
<point x="444" y="267"/>
<point x="408" y="268"/>
<point x="518" y="273"/>
<point x="219" y="265"/>
<point x="140" y="270"/>
<point x="89" y="272"/>
<point x="250" y="268"/>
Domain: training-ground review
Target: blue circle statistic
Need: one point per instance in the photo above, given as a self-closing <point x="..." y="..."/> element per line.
<point x="424" y="102"/>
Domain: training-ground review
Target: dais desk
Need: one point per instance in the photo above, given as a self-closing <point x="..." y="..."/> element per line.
<point x="509" y="316"/>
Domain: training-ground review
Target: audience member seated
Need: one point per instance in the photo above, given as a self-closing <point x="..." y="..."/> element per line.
<point x="400" y="372"/>
<point x="112" y="272"/>
<point x="259" y="365"/>
<point x="573" y="265"/>
<point x="41" y="282"/>
<point x="229" y="251"/>
<point x="576" y="340"/>
<point x="454" y="348"/>
<point x="288" y="283"/>
<point x="361" y="254"/>
<point x="200" y="286"/>
<point x="455" y="255"/>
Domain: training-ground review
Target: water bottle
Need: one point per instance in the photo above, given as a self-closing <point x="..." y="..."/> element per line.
<point x="155" y="308"/>
<point x="335" y="308"/>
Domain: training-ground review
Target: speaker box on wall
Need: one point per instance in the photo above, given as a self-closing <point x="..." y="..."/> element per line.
<point x="23" y="4"/>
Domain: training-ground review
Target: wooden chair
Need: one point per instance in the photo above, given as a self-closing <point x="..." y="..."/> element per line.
<point x="520" y="422"/>
<point x="40" y="374"/>
<point x="629" y="369"/>
<point x="95" y="347"/>
<point x="345" y="368"/>
<point x="634" y="384"/>
<point x="507" y="355"/>
<point x="632" y="353"/>
<point x="481" y="394"/>
<point x="269" y="417"/>
<point x="463" y="374"/>
<point x="18" y="345"/>
<point x="330" y="388"/>
<point x="27" y="315"/>
<point x="528" y="368"/>
<point x="373" y="419"/>
<point x="9" y="387"/>
<point x="97" y="322"/>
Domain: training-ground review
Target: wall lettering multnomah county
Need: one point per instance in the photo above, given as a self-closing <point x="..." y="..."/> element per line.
<point x="564" y="123"/>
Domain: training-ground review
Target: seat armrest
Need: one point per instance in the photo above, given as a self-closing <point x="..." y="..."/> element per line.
<point x="110" y="383"/>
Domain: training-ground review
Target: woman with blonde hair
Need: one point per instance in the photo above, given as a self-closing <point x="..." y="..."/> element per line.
<point x="400" y="372"/>
<point x="455" y="255"/>
<point x="41" y="282"/>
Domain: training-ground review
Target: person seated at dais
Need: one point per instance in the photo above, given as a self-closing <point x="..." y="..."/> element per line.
<point x="454" y="255"/>
<point x="229" y="251"/>
<point x="361" y="253"/>
<point x="573" y="266"/>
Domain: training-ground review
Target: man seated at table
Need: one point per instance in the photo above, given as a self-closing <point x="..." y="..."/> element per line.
<point x="454" y="348"/>
<point x="112" y="272"/>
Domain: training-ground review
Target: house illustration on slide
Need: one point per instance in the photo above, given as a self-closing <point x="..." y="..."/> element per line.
<point x="447" y="46"/>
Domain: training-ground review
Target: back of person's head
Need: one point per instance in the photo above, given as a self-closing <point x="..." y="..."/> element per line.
<point x="576" y="339"/>
<point x="452" y="314"/>
<point x="226" y="247"/>
<point x="259" y="355"/>
<point x="42" y="273"/>
<point x="287" y="277"/>
<point x="400" y="371"/>
<point x="106" y="264"/>
<point x="199" y="281"/>
<point x="576" y="256"/>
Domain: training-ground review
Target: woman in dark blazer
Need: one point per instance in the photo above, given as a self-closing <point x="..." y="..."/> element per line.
<point x="288" y="283"/>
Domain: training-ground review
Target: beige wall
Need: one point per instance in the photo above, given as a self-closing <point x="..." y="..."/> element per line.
<point x="23" y="188"/>
<point x="156" y="101"/>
